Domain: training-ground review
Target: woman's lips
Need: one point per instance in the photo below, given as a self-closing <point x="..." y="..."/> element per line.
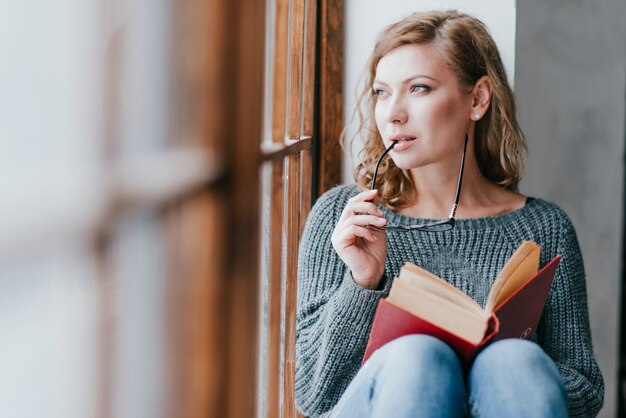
<point x="402" y="144"/>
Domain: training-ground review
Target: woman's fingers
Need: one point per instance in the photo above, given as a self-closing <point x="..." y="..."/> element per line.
<point x="360" y="218"/>
<point x="365" y="196"/>
<point x="361" y="204"/>
<point x="357" y="238"/>
<point x="363" y="226"/>
<point x="366" y="208"/>
<point x="363" y="220"/>
<point x="347" y="235"/>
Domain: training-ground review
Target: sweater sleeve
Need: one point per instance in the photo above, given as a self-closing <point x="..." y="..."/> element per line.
<point x="334" y="314"/>
<point x="564" y="331"/>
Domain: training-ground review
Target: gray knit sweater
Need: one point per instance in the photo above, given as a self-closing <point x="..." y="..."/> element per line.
<point x="335" y="314"/>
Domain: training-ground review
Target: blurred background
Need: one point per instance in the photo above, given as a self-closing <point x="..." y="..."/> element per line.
<point x="159" y="158"/>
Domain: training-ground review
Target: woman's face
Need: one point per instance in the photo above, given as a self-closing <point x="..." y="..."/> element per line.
<point x="419" y="101"/>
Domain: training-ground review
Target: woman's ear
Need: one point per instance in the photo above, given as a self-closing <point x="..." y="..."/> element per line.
<point x="481" y="97"/>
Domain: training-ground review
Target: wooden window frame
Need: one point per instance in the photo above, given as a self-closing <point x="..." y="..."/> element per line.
<point x="306" y="126"/>
<point x="214" y="232"/>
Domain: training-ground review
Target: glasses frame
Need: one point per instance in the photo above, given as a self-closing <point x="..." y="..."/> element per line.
<point x="436" y="226"/>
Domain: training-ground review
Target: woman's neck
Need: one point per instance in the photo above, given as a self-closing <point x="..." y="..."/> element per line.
<point x="479" y="197"/>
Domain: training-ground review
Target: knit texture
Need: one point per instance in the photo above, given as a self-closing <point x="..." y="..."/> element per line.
<point x="335" y="314"/>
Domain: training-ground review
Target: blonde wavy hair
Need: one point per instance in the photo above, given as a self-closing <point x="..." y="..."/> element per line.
<point x="470" y="53"/>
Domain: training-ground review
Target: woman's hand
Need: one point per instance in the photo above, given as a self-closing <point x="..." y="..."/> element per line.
<point x="362" y="248"/>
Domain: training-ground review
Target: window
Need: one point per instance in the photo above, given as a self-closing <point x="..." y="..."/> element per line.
<point x="215" y="274"/>
<point x="139" y="187"/>
<point x="302" y="157"/>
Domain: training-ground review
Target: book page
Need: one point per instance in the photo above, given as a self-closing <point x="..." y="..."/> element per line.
<point x="521" y="266"/>
<point x="415" y="294"/>
<point x="429" y="282"/>
<point x="468" y="325"/>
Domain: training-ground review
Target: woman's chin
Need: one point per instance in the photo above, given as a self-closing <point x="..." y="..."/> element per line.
<point x="403" y="164"/>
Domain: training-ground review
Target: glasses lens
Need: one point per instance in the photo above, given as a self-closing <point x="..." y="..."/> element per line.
<point x="433" y="227"/>
<point x="443" y="226"/>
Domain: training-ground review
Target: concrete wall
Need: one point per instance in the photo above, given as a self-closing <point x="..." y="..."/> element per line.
<point x="570" y="84"/>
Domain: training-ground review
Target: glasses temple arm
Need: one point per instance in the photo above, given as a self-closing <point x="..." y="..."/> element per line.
<point x="458" y="186"/>
<point x="393" y="144"/>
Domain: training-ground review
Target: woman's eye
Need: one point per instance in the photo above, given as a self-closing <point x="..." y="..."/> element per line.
<point x="379" y="92"/>
<point x="419" y="88"/>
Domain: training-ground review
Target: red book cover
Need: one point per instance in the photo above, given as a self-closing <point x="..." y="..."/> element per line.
<point x="520" y="313"/>
<point x="516" y="317"/>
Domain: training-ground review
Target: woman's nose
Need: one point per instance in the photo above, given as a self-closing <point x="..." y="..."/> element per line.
<point x="397" y="112"/>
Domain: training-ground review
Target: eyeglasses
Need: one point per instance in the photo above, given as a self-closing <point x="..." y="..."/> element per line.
<point x="436" y="226"/>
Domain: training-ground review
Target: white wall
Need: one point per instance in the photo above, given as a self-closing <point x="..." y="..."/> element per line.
<point x="365" y="19"/>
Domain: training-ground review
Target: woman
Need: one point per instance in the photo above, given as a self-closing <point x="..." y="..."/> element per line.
<point x="437" y="91"/>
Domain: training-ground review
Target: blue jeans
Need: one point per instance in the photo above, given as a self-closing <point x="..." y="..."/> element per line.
<point x="420" y="376"/>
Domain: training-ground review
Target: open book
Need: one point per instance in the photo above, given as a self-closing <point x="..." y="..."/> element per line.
<point x="421" y="303"/>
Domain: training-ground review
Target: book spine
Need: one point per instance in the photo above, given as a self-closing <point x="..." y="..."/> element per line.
<point x="492" y="330"/>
